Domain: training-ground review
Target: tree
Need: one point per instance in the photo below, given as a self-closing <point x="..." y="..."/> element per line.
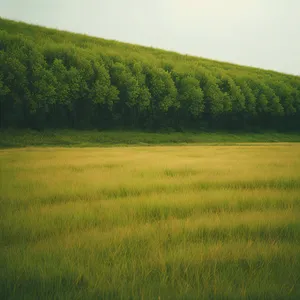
<point x="14" y="90"/>
<point x="61" y="74"/>
<point x="274" y="106"/>
<point x="144" y="97"/>
<point x="213" y="104"/>
<point x="163" y="95"/>
<point x="100" y="85"/>
<point x="126" y="83"/>
<point x="250" y="99"/>
<point x="191" y="96"/>
<point x="285" y="93"/>
<point x="235" y="100"/>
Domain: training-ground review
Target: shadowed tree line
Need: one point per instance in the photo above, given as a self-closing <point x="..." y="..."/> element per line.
<point x="55" y="79"/>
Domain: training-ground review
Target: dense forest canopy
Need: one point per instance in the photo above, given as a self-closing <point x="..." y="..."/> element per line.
<point x="56" y="79"/>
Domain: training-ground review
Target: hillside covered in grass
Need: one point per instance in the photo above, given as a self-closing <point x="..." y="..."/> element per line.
<point x="56" y="79"/>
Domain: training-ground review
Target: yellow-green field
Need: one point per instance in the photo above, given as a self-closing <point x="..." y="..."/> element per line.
<point x="190" y="222"/>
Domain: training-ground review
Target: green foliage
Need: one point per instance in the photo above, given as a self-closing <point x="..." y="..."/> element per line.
<point x="191" y="96"/>
<point x="250" y="100"/>
<point x="62" y="88"/>
<point x="162" y="89"/>
<point x="51" y="78"/>
<point x="144" y="96"/>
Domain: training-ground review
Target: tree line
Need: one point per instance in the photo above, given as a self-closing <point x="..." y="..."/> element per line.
<point x="52" y="79"/>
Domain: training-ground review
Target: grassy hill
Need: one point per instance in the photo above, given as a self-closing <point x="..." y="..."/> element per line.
<point x="57" y="79"/>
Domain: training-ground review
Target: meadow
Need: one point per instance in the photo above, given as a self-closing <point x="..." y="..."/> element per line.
<point x="159" y="222"/>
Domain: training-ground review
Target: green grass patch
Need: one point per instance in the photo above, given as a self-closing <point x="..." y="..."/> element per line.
<point x="189" y="222"/>
<point x="73" y="138"/>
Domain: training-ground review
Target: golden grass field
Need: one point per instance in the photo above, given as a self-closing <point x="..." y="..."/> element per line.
<point x="185" y="222"/>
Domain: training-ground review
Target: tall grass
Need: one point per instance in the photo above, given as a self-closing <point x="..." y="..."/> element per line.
<point x="191" y="222"/>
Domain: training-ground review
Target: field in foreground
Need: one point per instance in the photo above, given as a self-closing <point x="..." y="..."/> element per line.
<point x="151" y="222"/>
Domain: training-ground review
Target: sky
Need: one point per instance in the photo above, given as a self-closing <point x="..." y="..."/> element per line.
<point x="258" y="33"/>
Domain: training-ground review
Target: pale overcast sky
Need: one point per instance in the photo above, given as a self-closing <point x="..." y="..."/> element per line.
<point x="260" y="33"/>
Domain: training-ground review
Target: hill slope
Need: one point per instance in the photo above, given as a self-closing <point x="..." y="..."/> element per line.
<point x="56" y="79"/>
